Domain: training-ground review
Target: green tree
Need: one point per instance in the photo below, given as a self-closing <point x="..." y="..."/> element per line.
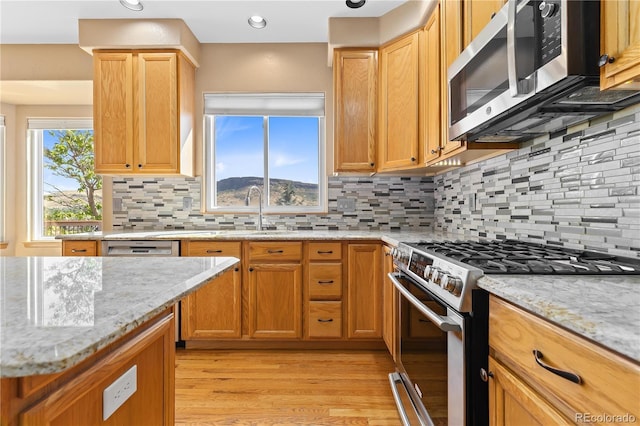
<point x="288" y="195"/>
<point x="72" y="157"/>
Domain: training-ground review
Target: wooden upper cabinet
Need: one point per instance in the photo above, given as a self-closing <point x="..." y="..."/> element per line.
<point x="620" y="40"/>
<point x="113" y="111"/>
<point x="143" y="113"/>
<point x="430" y="103"/>
<point x="477" y="14"/>
<point x="355" y="82"/>
<point x="399" y="103"/>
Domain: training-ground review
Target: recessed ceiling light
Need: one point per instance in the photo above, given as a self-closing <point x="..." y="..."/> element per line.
<point x="257" y="21"/>
<point x="131" y="4"/>
<point x="354" y="4"/>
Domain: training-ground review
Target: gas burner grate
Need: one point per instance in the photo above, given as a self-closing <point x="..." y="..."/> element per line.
<point x="518" y="257"/>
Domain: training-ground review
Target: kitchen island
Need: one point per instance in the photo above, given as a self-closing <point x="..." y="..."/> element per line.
<point x="72" y="326"/>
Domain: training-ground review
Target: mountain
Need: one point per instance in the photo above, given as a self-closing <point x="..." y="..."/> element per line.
<point x="233" y="191"/>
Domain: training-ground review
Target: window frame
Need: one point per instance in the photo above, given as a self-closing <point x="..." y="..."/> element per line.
<point x="3" y="178"/>
<point x="35" y="153"/>
<point x="209" y="184"/>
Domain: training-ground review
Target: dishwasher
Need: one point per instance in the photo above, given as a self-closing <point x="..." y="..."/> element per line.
<point x="143" y="248"/>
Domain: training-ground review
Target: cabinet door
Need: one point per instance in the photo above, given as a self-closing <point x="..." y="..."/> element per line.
<point x="364" y="300"/>
<point x="399" y="103"/>
<point x="275" y="301"/>
<point x="477" y="14"/>
<point x="390" y="306"/>
<point x="450" y="48"/>
<point x="512" y="402"/>
<point x="215" y="310"/>
<point x="355" y="82"/>
<point x="157" y="95"/>
<point x="430" y="92"/>
<point x="620" y="39"/>
<point x="113" y="111"/>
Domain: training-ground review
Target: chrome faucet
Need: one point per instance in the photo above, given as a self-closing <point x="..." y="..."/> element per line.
<point x="248" y="200"/>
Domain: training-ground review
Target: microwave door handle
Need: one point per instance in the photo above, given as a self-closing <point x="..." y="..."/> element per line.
<point x="441" y="322"/>
<point x="515" y="89"/>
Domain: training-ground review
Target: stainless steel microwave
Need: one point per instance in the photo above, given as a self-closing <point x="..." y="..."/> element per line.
<point x="532" y="70"/>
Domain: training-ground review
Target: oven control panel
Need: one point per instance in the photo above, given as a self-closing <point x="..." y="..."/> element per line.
<point x="448" y="280"/>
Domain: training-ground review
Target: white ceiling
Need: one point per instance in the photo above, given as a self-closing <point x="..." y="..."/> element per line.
<point x="212" y="21"/>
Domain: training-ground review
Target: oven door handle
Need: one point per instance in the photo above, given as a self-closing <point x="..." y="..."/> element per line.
<point x="441" y="322"/>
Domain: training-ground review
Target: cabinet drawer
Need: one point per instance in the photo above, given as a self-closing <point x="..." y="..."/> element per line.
<point x="79" y="248"/>
<point x="275" y="251"/>
<point x="609" y="382"/>
<point x="325" y="319"/>
<point x="211" y="248"/>
<point x="325" y="251"/>
<point x="325" y="281"/>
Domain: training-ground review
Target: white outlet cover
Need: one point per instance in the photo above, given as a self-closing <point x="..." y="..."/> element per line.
<point x="119" y="391"/>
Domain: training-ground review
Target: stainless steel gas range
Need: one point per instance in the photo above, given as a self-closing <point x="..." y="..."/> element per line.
<point x="443" y="326"/>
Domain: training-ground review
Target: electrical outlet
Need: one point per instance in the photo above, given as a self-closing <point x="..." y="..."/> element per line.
<point x="187" y="203"/>
<point x="118" y="392"/>
<point x="472" y="202"/>
<point x="346" y="204"/>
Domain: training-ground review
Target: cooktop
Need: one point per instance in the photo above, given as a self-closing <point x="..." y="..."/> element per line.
<point x="517" y="257"/>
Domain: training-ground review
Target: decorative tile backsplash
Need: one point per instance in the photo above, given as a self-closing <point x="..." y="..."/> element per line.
<point x="381" y="203"/>
<point x="578" y="190"/>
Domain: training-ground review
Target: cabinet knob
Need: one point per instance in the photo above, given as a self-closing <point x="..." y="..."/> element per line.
<point x="236" y="269"/>
<point x="605" y="59"/>
<point x="372" y="164"/>
<point x="250" y="269"/>
<point x="413" y="159"/>
<point x="128" y="166"/>
<point x="484" y="375"/>
<point x="139" y="166"/>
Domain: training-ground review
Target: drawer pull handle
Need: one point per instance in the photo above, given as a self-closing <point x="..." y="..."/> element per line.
<point x="325" y="282"/>
<point x="564" y="374"/>
<point x="78" y="250"/>
<point x="325" y="320"/>
<point x="214" y="251"/>
<point x="325" y="252"/>
<point x="275" y="251"/>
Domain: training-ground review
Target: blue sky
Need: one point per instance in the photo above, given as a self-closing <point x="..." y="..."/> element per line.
<point x="293" y="147"/>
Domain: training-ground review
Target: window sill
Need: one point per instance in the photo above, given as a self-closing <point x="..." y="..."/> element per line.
<point x="41" y="244"/>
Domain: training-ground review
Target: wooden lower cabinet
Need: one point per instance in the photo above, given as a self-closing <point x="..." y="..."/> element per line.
<point x="523" y="391"/>
<point x="512" y="402"/>
<point x="364" y="291"/>
<point x="75" y="397"/>
<point x="390" y="305"/>
<point x="215" y="310"/>
<point x="80" y="248"/>
<point x="275" y="301"/>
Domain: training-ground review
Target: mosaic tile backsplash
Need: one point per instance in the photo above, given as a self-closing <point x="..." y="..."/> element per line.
<point x="381" y="203"/>
<point x="578" y="190"/>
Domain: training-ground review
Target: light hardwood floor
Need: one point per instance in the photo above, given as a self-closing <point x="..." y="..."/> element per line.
<point x="284" y="387"/>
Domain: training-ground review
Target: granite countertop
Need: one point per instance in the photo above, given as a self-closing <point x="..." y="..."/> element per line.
<point x="57" y="311"/>
<point x="603" y="308"/>
<point x="390" y="237"/>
